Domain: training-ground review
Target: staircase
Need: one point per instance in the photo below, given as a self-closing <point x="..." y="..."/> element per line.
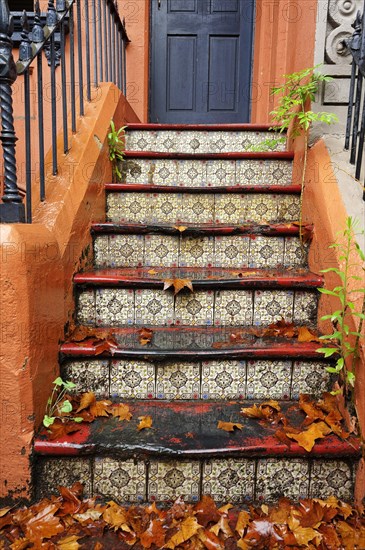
<point x="195" y="204"/>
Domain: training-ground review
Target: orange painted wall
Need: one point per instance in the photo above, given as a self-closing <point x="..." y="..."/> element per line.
<point x="37" y="265"/>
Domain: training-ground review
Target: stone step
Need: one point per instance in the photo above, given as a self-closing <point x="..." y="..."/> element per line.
<point x="212" y="379"/>
<point x="184" y="453"/>
<point x="199" y="138"/>
<point x="217" y="208"/>
<point x="120" y="307"/>
<point x="136" y="245"/>
<point x="208" y="170"/>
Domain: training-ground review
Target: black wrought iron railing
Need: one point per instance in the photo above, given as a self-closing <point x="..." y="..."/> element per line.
<point x="355" y="128"/>
<point x="87" y="40"/>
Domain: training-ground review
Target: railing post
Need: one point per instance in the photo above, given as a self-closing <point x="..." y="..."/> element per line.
<point x="11" y="210"/>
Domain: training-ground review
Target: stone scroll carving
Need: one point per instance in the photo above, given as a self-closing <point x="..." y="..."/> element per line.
<point x="340" y="16"/>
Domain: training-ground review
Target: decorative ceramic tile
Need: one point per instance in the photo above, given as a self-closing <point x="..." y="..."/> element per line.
<point x="305" y="307"/>
<point x="166" y="208"/>
<point x="249" y="172"/>
<point x="163" y="172"/>
<point x="154" y="307"/>
<point x="132" y="379"/>
<point x="271" y="305"/>
<point x="169" y="480"/>
<point x="129" y="207"/>
<point x="114" y="307"/>
<point x="261" y="208"/>
<point x="223" y="379"/>
<point x="161" y="251"/>
<point x="266" y="252"/>
<point x="231" y="480"/>
<point x="196" y="252"/>
<point x="55" y="472"/>
<point x="197" y="208"/>
<point x="294" y="255"/>
<point x="288" y="207"/>
<point x="221" y="172"/>
<point x="86" y="307"/>
<point x="220" y="142"/>
<point x="193" y="173"/>
<point x="101" y="251"/>
<point x="167" y="142"/>
<point x="310" y="377"/>
<point x="126" y="250"/>
<point x="230" y="209"/>
<point x="88" y="375"/>
<point x="233" y="307"/>
<point x="194" y="308"/>
<point x="277" y="172"/>
<point x="277" y="478"/>
<point x="178" y="381"/>
<point x="194" y="142"/>
<point x="331" y="478"/>
<point x="268" y="379"/>
<point x="231" y="251"/>
<point x="122" y="480"/>
<point x="140" y="140"/>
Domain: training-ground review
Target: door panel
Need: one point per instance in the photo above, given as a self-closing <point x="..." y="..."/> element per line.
<point x="201" y="60"/>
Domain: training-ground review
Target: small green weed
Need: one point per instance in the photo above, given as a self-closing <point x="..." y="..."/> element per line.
<point x="347" y="340"/>
<point x="116" y="148"/>
<point x="58" y="406"/>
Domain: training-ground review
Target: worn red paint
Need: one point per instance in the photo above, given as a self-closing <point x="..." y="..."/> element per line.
<point x="243" y="188"/>
<point x="266" y="155"/>
<point x="203" y="127"/>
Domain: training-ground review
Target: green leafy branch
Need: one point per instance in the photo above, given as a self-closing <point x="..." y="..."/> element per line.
<point x="116" y="148"/>
<point x="58" y="406"/>
<point x="348" y="341"/>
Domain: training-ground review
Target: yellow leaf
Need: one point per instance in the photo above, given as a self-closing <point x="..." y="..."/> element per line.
<point x="306" y="439"/>
<point x="100" y="408"/>
<point x="306" y="335"/>
<point x="4" y="511"/>
<point x="89" y="514"/>
<point x="178" y="284"/>
<point x="187" y="529"/>
<point x="122" y="411"/>
<point x="224" y="509"/>
<point x="68" y="543"/>
<point x="115" y="516"/>
<point x="243" y="545"/>
<point x="180" y="228"/>
<point x="145" y="422"/>
<point x="242" y="522"/>
<point x="302" y="534"/>
<point x="222" y="525"/>
<point x="229" y="426"/>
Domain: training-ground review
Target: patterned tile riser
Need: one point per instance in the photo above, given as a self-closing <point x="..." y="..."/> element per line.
<point x="122" y="307"/>
<point x="207" y="173"/>
<point x="222" y="379"/>
<point x="196" y="141"/>
<point x="174" y="251"/>
<point x="238" y="481"/>
<point x="196" y="208"/>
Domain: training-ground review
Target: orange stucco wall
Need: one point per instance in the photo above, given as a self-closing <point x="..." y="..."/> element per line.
<point x="37" y="265"/>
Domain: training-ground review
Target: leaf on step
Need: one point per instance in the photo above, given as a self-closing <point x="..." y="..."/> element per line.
<point x="229" y="426"/>
<point x="61" y="429"/>
<point x="116" y="517"/>
<point x="178" y="284"/>
<point x="280" y="328"/>
<point x="222" y="525"/>
<point x="19" y="544"/>
<point x="101" y="408"/>
<point x="145" y="422"/>
<point x="154" y="534"/>
<point x="265" y="411"/>
<point x="4" y="511"/>
<point x="145" y="336"/>
<point x="187" y="529"/>
<point x="242" y="521"/>
<point x="307" y="335"/>
<point x="122" y="412"/>
<point x="87" y="399"/>
<point x="70" y="499"/>
<point x="152" y="272"/>
<point x="206" y="511"/>
<point x="303" y="535"/>
<point x="44" y="524"/>
<point x="180" y="228"/>
<point x="90" y="514"/>
<point x="68" y="543"/>
<point x="307" y="438"/>
<point x="306" y="231"/>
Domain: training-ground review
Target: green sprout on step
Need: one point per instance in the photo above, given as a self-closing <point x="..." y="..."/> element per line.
<point x="58" y="406"/>
<point x="348" y="341"/>
<point x="116" y="148"/>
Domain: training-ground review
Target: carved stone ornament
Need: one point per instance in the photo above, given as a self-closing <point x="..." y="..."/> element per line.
<point x="341" y="16"/>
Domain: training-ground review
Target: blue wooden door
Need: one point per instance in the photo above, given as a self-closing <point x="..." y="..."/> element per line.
<point x="201" y="61"/>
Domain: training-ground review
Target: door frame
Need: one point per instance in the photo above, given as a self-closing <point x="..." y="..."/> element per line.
<point x="253" y="29"/>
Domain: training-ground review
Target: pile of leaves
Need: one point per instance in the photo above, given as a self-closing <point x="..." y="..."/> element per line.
<point x="65" y="412"/>
<point x="323" y="417"/>
<point x="68" y="522"/>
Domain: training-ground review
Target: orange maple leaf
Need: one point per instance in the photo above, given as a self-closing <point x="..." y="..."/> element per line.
<point x="145" y="422"/>
<point x="178" y="284"/>
<point x="229" y="426"/>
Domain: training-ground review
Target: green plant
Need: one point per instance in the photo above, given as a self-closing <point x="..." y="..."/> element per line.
<point x="347" y="349"/>
<point x="58" y="406"/>
<point x="298" y="89"/>
<point x="116" y="148"/>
